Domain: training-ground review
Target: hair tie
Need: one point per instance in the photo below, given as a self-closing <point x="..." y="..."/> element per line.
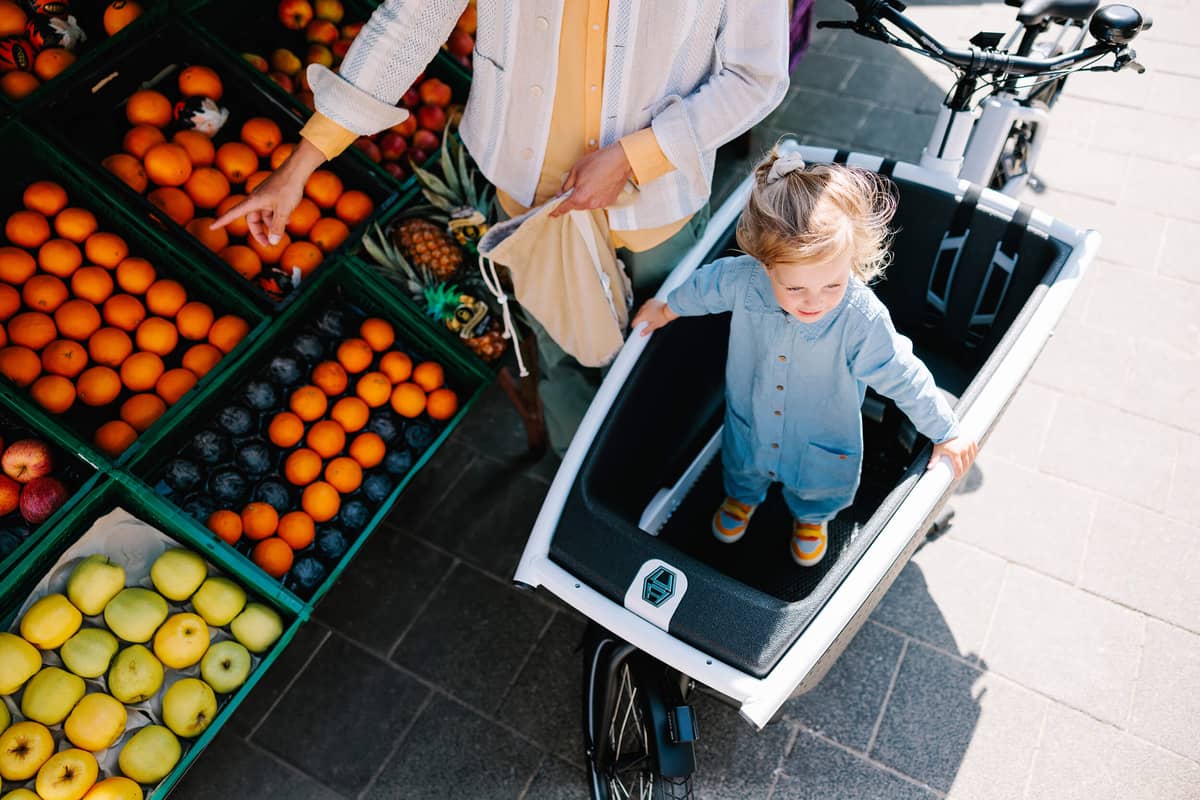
<point x="785" y="165"/>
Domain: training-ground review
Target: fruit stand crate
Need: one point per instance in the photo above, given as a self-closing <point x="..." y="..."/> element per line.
<point x="239" y="30"/>
<point x="16" y="587"/>
<point x="234" y="456"/>
<point x="96" y="102"/>
<point x="32" y="159"/>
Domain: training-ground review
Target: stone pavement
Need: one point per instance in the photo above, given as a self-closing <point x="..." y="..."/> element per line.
<point x="1048" y="646"/>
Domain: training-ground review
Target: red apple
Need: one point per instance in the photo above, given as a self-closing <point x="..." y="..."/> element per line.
<point x="406" y="128"/>
<point x="431" y="118"/>
<point x="460" y="42"/>
<point x="321" y="31"/>
<point x="426" y="140"/>
<point x="256" y="61"/>
<point x="295" y="14"/>
<point x="392" y="146"/>
<point x="40" y="498"/>
<point x="27" y="459"/>
<point x="351" y="29"/>
<point x="410" y="99"/>
<point x="396" y="170"/>
<point x="282" y="80"/>
<point x="434" y="92"/>
<point x="341" y="47"/>
<point x="370" y="148"/>
<point x="10" y="495"/>
<point x="306" y="98"/>
<point x="417" y="156"/>
<point x="318" y="54"/>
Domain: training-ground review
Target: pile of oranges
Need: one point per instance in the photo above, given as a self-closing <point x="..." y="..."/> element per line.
<point x="323" y="428"/>
<point x="193" y="181"/>
<point x="85" y="323"/>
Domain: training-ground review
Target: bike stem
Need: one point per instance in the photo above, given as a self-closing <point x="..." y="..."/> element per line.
<point x="948" y="142"/>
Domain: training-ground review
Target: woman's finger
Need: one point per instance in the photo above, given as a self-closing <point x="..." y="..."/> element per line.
<point x="258" y="228"/>
<point x="242" y="209"/>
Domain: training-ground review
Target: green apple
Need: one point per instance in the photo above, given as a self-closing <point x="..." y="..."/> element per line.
<point x="150" y="754"/>
<point x="189" y="707"/>
<point x="96" y="722"/>
<point x="23" y="749"/>
<point x="117" y="788"/>
<point x="178" y="573"/>
<point x="50" y="695"/>
<point x="181" y="641"/>
<point x="19" y="661"/>
<point x="89" y="652"/>
<point x="257" y="627"/>
<point x="226" y="666"/>
<point x="135" y="675"/>
<point x="50" y="621"/>
<point x="94" y="581"/>
<point x="135" y="614"/>
<point x="219" y="600"/>
<point x="67" y="775"/>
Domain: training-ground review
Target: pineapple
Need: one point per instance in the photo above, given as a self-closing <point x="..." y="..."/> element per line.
<point x="429" y="247"/>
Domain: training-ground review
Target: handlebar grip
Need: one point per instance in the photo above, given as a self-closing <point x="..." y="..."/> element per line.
<point x="1147" y="22"/>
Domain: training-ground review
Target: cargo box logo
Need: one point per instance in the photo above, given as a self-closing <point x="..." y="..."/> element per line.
<point x="658" y="587"/>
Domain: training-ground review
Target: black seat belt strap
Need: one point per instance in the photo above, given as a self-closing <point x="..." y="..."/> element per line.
<point x="999" y="276"/>
<point x="945" y="262"/>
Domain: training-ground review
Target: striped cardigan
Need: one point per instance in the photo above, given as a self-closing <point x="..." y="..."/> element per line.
<point x="699" y="72"/>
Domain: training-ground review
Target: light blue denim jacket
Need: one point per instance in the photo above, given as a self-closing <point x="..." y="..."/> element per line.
<point x="794" y="390"/>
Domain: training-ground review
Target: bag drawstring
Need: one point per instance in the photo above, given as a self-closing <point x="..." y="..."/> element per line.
<point x="492" y="281"/>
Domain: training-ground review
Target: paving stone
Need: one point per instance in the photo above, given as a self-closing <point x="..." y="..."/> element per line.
<point x="231" y="767"/>
<point x="1164" y="310"/>
<point x="1066" y="643"/>
<point x="847" y="702"/>
<point x="557" y="780"/>
<point x="818" y="112"/>
<point x="1065" y="166"/>
<point x="250" y="713"/>
<point x="1175" y="376"/>
<point x="1184" y="501"/>
<point x="1083" y="759"/>
<point x="1167" y="189"/>
<point x="1178" y="59"/>
<point x="1125" y="88"/>
<point x="953" y="727"/>
<point x="817" y="770"/>
<point x="494" y="428"/>
<point x="1181" y="244"/>
<point x="1021" y="432"/>
<point x="898" y="132"/>
<point x="427" y="488"/>
<point x="1165" y="702"/>
<point x="826" y="71"/>
<point x="1111" y="450"/>
<point x="473" y="636"/>
<point x="901" y="86"/>
<point x="342" y="716"/>
<point x="453" y="752"/>
<point x="1130" y="236"/>
<point x="733" y="760"/>
<point x="1085" y="360"/>
<point x="1026" y="516"/>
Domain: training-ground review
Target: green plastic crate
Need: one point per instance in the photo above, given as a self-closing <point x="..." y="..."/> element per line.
<point x="31" y="158"/>
<point x="16" y="586"/>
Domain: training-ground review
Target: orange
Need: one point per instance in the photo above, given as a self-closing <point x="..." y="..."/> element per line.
<point x="280" y="154"/>
<point x="197" y="81"/>
<point x="118" y="14"/>
<point x="321" y="501"/>
<point x="273" y="556"/>
<point x="54" y="393"/>
<point x="3" y="337"/>
<point x="136" y="275"/>
<point x="201" y="228"/>
<point x="12" y="19"/>
<point x="227" y="332"/>
<point x="344" y="474"/>
<point x="168" y="164"/>
<point x="374" y="389"/>
<point x="308" y="403"/>
<point x="51" y="62"/>
<point x="304" y="218"/>
<point x="302" y="467"/>
<point x="60" y="257"/>
<point x="368" y="449"/>
<point x="255" y="179"/>
<point x="239" y="227"/>
<point x="114" y="437"/>
<point x="64" y="357"/>
<point x="286" y="429"/>
<point x="20" y="365"/>
<point x="99" y="386"/>
<point x="200" y="358"/>
<point x="148" y="107"/>
<point x="194" y="320"/>
<point x="442" y="404"/>
<point x="110" y="346"/>
<point x="351" y="413"/>
<point x="10" y="301"/>
<point x="173" y="202"/>
<point x="77" y="319"/>
<point x="429" y="375"/>
<point x="76" y="224"/>
<point x="174" y="384"/>
<point x="32" y="329"/>
<point x="326" y="438"/>
<point x="244" y="261"/>
<point x="93" y="284"/>
<point x="297" y="529"/>
<point x="259" y="520"/>
<point x="354" y="207"/>
<point x="165" y="297"/>
<point x="378" y="333"/>
<point x="200" y="148"/>
<point x="329" y="234"/>
<point x="207" y="187"/>
<point x="45" y="197"/>
<point x="156" y="335"/>
<point x="236" y="161"/>
<point x="226" y="524"/>
<point x="397" y="366"/>
<point x="262" y="135"/>
<point x="141" y="138"/>
<point x="106" y="249"/>
<point x="270" y="254"/>
<point x="305" y="256"/>
<point x="330" y="378"/>
<point x="129" y="170"/>
<point x="355" y="355"/>
<point x="27" y="229"/>
<point x="323" y="188"/>
<point x="143" y="410"/>
<point x="18" y="85"/>
<point x="408" y="400"/>
<point x="124" y="311"/>
<point x="141" y="371"/>
<point x="44" y="293"/>
<point x="16" y="265"/>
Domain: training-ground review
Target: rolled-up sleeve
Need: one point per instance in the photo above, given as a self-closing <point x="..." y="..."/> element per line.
<point x="327" y="136"/>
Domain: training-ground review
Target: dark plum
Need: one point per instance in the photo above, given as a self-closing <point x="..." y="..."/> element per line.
<point x="8" y="543"/>
<point x="260" y="395"/>
<point x="331" y="544"/>
<point x="354" y="515"/>
<point x="285" y="371"/>
<point x="332" y="323"/>
<point x="309" y="346"/>
<point x="228" y="486"/>
<point x="199" y="506"/>
<point x="276" y="494"/>
<point x="254" y="457"/>
<point x="398" y="462"/>
<point x="419" y="435"/>
<point x="210" y="447"/>
<point x="381" y="423"/>
<point x="376" y="488"/>
<point x="308" y="573"/>
<point x="183" y="475"/>
<point x="237" y="420"/>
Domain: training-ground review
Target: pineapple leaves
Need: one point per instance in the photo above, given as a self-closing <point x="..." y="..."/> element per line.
<point x="447" y="162"/>
<point x="434" y="188"/>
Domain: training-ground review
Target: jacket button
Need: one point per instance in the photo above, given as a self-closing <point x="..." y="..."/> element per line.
<point x="527" y="153"/>
<point x="774" y="445"/>
<point x="591" y="142"/>
<point x="535" y="90"/>
<point x="783" y="358"/>
<point x="770" y="473"/>
<point x="779" y="413"/>
<point x="779" y="388"/>
<point x="543" y="23"/>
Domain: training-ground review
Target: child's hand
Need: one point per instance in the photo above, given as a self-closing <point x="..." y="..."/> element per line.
<point x="961" y="453"/>
<point x="656" y="314"/>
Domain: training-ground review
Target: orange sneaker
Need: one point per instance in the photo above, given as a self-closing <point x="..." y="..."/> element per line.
<point x="809" y="542"/>
<point x="731" y="520"/>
